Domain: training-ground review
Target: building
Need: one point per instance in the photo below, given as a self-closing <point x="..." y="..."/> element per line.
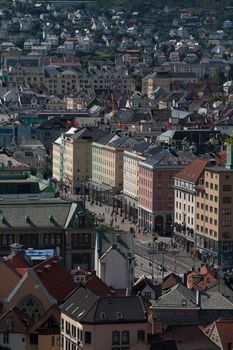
<point x="49" y="223"/>
<point x="72" y="157"/>
<point x="131" y="161"/>
<point x="156" y="192"/>
<point x="214" y="216"/>
<point x="182" y="306"/>
<point x="164" y="80"/>
<point x="114" y="259"/>
<point x="185" y="202"/>
<point x="91" y="322"/>
<point x="107" y="167"/>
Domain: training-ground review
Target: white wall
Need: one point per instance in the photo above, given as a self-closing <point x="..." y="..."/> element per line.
<point x="113" y="270"/>
<point x="15" y="341"/>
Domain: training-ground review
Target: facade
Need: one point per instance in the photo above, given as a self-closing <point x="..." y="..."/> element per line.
<point x="107" y="176"/>
<point x="131" y="177"/>
<point x="156" y="192"/>
<point x="86" y="318"/>
<point x="214" y="217"/>
<point x="70" y="154"/>
<point x="185" y="202"/>
<point x="114" y="259"/>
<point x="49" y="223"/>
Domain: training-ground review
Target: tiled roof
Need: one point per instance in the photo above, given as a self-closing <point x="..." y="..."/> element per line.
<point x="170" y="158"/>
<point x="193" y="171"/>
<point x="98" y="287"/>
<point x="170" y="281"/>
<point x="225" y="331"/>
<point x="88" y="133"/>
<point x="179" y="293"/>
<point x="54" y="278"/>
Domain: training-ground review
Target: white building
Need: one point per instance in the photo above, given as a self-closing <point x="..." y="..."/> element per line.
<point x="114" y="259"/>
<point x="185" y="202"/>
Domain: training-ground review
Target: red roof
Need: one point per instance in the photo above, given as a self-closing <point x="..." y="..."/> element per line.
<point x="193" y="171"/>
<point x="98" y="287"/>
<point x="225" y="331"/>
<point x="202" y="279"/>
<point x="54" y="278"/>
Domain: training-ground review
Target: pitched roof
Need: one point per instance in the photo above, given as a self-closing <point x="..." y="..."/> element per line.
<point x="208" y="300"/>
<point x="188" y="337"/>
<point x="54" y="278"/>
<point x="85" y="307"/>
<point x="98" y="287"/>
<point x="34" y="213"/>
<point x="169" y="157"/>
<point x="170" y="281"/>
<point x="225" y="331"/>
<point x="193" y="171"/>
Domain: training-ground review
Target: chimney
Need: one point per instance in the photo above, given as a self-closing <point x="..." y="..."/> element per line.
<point x="198" y="298"/>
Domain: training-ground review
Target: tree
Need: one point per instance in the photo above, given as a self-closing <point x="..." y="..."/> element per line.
<point x="230" y="73"/>
<point x="219" y="77"/>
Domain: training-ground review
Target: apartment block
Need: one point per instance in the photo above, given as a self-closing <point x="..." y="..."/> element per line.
<point x="86" y="318"/>
<point x="107" y="165"/>
<point x="185" y="202"/>
<point x="214" y="217"/>
<point x="156" y="192"/>
<point x="72" y="156"/>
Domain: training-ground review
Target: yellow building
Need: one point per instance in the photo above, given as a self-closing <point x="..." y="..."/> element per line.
<point x="214" y="215"/>
<point x="72" y="156"/>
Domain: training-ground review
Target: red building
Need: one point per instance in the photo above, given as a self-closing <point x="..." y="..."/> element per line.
<point x="156" y="192"/>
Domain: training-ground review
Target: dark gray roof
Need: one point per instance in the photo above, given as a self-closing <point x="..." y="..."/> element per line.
<point x="106" y="139"/>
<point x="84" y="307"/>
<point x="169" y="157"/>
<point x="181" y="296"/>
<point x="91" y="133"/>
<point x="124" y="142"/>
<point x="120" y="240"/>
<point x="37" y="213"/>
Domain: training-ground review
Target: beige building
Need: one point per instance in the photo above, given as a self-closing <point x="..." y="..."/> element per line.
<point x="72" y="156"/>
<point x="214" y="215"/>
<point x="86" y="318"/>
<point x="185" y="183"/>
<point x="164" y="80"/>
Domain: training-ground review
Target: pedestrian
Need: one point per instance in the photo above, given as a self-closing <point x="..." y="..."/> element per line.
<point x="139" y="231"/>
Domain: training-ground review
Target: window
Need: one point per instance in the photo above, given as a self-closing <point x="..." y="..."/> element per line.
<point x="141" y="335"/>
<point x="125" y="337"/>
<point x="5" y="338"/>
<point x="119" y="315"/>
<point x="147" y="295"/>
<point x="226" y="188"/>
<point x="33" y="338"/>
<point x="226" y="200"/>
<point x="226" y="211"/>
<point x="103" y="316"/>
<point x="226" y="223"/>
<point x="87" y="337"/>
<point x="115" y="338"/>
<point x="226" y="234"/>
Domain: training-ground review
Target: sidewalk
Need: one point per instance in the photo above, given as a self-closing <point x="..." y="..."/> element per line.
<point x="118" y="222"/>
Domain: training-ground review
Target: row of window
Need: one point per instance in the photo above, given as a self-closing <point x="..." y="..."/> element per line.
<point x="183" y="195"/>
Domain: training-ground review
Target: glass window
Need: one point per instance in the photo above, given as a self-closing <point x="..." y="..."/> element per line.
<point x="125" y="337"/>
<point x="141" y="335"/>
<point x="115" y="338"/>
<point x="87" y="337"/>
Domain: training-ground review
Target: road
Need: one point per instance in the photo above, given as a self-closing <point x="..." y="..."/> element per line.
<point x="173" y="260"/>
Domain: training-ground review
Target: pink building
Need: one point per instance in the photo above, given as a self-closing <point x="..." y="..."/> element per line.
<point x="156" y="192"/>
